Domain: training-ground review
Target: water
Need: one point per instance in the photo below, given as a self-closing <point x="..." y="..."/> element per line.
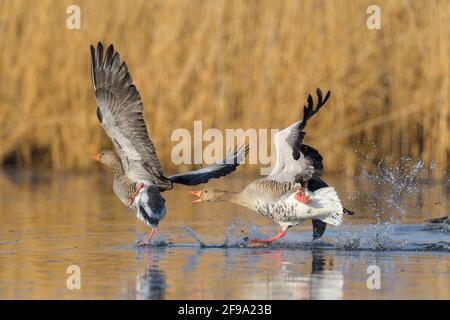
<point x="50" y="221"/>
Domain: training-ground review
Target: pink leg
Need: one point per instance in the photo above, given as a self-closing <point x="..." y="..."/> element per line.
<point x="139" y="186"/>
<point x="278" y="236"/>
<point x="301" y="197"/>
<point x="149" y="238"/>
<point x="150" y="235"/>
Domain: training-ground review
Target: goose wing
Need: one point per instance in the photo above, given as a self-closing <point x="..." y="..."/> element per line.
<point x="272" y="190"/>
<point x="120" y="112"/>
<point x="296" y="161"/>
<point x="226" y="166"/>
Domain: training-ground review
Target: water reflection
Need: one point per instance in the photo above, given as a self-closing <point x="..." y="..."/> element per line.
<point x="50" y="221"/>
<point x="286" y="280"/>
<point x="151" y="283"/>
<point x="193" y="260"/>
<point x="326" y="283"/>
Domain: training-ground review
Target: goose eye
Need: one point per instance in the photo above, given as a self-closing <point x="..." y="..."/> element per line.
<point x="206" y="191"/>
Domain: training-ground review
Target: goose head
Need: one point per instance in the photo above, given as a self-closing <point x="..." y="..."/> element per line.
<point x="211" y="195"/>
<point x="108" y="157"/>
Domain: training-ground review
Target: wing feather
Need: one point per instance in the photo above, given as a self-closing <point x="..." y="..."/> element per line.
<point x="120" y="111"/>
<point x="203" y="175"/>
<point x="295" y="161"/>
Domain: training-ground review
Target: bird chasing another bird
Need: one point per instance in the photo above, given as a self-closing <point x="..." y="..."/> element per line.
<point x="292" y="193"/>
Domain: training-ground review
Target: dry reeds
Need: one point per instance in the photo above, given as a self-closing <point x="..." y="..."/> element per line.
<point x="246" y="64"/>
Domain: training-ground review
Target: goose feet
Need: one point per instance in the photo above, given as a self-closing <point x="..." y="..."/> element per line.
<point x="138" y="188"/>
<point x="301" y="197"/>
<point x="263" y="242"/>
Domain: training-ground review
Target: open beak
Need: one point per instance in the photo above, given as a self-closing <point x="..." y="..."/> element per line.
<point x="196" y="193"/>
<point x="96" y="157"/>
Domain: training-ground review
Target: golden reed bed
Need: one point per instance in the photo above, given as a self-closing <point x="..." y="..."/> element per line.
<point x="246" y="64"/>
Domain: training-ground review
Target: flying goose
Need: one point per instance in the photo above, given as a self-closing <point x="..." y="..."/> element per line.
<point x="138" y="177"/>
<point x="293" y="191"/>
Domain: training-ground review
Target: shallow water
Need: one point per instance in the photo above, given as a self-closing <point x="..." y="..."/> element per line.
<point x="51" y="221"/>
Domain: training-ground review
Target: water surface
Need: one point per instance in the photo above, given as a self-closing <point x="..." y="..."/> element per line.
<point x="50" y="221"/>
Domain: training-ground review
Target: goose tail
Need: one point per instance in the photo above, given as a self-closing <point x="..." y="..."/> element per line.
<point x="328" y="201"/>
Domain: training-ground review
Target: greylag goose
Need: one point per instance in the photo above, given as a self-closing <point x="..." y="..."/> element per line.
<point x="138" y="176"/>
<point x="445" y="220"/>
<point x="293" y="191"/>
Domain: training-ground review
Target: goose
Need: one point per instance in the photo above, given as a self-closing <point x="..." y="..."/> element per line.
<point x="138" y="176"/>
<point x="444" y="220"/>
<point x="293" y="191"/>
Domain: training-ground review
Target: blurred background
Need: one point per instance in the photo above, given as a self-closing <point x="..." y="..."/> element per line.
<point x="231" y="64"/>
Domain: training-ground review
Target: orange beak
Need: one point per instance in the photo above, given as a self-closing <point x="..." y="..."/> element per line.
<point x="198" y="194"/>
<point x="96" y="157"/>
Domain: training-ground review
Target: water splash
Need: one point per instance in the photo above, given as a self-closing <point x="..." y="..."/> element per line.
<point x="389" y="194"/>
<point x="400" y="181"/>
<point x="193" y="235"/>
<point x="238" y="233"/>
<point x="348" y="238"/>
<point x="158" y="241"/>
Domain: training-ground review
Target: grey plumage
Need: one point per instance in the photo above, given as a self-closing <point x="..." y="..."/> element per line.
<point x="264" y="195"/>
<point x="121" y="110"/>
<point x="120" y="113"/>
<point x="224" y="167"/>
<point x="151" y="206"/>
<point x="282" y="195"/>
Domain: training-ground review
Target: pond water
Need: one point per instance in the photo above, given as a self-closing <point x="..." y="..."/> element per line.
<point x="50" y="221"/>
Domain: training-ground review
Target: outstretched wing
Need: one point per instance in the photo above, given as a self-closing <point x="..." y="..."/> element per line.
<point x="120" y="112"/>
<point x="226" y="166"/>
<point x="295" y="161"/>
<point x="297" y="135"/>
